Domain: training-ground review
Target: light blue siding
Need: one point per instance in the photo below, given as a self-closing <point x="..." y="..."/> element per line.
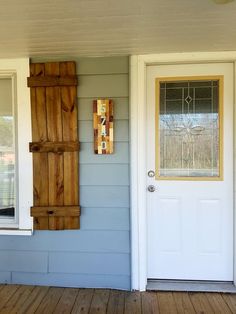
<point x="73" y="280"/>
<point x="104" y="85"/>
<point x="102" y="65"/>
<point x="121" y="155"/>
<point x="102" y="174"/>
<point x="104" y="196"/>
<point x="97" y="255"/>
<point x="5" y="276"/>
<point x="89" y="263"/>
<point x="105" y="219"/>
<point x="28" y="261"/>
<point x="104" y="241"/>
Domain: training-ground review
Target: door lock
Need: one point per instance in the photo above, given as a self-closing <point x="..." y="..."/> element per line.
<point x="151" y="188"/>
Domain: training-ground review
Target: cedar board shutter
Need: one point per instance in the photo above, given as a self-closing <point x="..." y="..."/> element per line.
<point x="53" y="90"/>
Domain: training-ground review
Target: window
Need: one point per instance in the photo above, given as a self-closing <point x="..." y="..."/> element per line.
<point x="7" y="152"/>
<point x="189" y="127"/>
<point x="15" y="159"/>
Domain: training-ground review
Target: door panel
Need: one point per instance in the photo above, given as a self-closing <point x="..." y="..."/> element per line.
<point x="190" y="213"/>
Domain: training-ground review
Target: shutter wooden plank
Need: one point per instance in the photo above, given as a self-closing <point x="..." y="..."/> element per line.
<point x="39" y="133"/>
<point x="51" y="81"/>
<point x="53" y="105"/>
<point x="42" y="211"/>
<point x="70" y="133"/>
<point x="54" y="147"/>
<point x="55" y="161"/>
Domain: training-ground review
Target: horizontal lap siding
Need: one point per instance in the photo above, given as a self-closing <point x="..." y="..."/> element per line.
<point x="26" y="261"/>
<point x="72" y="280"/>
<point x="104" y="174"/>
<point x="99" y="241"/>
<point x="121" y="155"/>
<point x="104" y="196"/>
<point x="90" y="263"/>
<point x="108" y="85"/>
<point x="109" y="218"/>
<point x="5" y="276"/>
<point x="98" y="255"/>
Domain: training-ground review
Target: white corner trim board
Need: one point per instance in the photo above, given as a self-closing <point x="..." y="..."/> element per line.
<point x="138" y="65"/>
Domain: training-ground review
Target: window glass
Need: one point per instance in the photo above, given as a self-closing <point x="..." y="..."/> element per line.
<point x="188" y="128"/>
<point x="7" y="150"/>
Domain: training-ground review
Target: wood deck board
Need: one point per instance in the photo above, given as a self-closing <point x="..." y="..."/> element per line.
<point x="217" y="303"/>
<point x="133" y="303"/>
<point x="83" y="301"/>
<point x="149" y="303"/>
<point x="34" y="300"/>
<point x="116" y="303"/>
<point x="50" y="301"/>
<point x="37" y="299"/>
<point x="166" y="302"/>
<point x="66" y="303"/>
<point x="230" y="300"/>
<point x="201" y="303"/>
<point x="183" y="303"/>
<point x="99" y="301"/>
<point x="6" y="294"/>
<point x="14" y="304"/>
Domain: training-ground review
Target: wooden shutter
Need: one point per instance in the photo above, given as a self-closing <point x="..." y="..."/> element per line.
<point x="53" y="89"/>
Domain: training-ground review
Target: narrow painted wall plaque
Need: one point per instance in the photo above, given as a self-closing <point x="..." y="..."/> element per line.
<point x="103" y="126"/>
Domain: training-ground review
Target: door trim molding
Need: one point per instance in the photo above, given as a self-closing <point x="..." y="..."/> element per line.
<point x="138" y="65"/>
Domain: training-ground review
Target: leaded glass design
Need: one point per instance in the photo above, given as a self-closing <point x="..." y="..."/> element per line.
<point x="188" y="122"/>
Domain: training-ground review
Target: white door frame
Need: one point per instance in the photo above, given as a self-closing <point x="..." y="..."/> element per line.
<point x="138" y="193"/>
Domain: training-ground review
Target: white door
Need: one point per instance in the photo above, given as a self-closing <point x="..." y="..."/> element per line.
<point x="190" y="156"/>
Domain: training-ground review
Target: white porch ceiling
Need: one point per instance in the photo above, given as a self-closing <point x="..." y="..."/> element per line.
<point x="114" y="27"/>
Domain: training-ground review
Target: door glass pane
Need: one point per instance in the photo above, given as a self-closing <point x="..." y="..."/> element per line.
<point x="7" y="151"/>
<point x="188" y="134"/>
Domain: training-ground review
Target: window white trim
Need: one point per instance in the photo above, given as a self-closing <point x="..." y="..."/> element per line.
<point x="20" y="232"/>
<point x="138" y="65"/>
<point x="18" y="70"/>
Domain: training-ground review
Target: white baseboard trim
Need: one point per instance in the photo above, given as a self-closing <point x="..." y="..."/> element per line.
<point x="191" y="286"/>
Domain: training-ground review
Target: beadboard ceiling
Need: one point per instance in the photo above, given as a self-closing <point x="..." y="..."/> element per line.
<point x="114" y="27"/>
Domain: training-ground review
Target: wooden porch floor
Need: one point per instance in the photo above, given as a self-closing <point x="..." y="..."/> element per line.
<point x="35" y="299"/>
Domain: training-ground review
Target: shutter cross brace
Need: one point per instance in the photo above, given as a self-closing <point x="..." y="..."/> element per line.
<point x="54" y="147"/>
<point x="51" y="81"/>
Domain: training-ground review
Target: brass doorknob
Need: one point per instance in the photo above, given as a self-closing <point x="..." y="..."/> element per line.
<point x="151" y="173"/>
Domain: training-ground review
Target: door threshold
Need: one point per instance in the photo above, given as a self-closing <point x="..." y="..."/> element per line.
<point x="191" y="286"/>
